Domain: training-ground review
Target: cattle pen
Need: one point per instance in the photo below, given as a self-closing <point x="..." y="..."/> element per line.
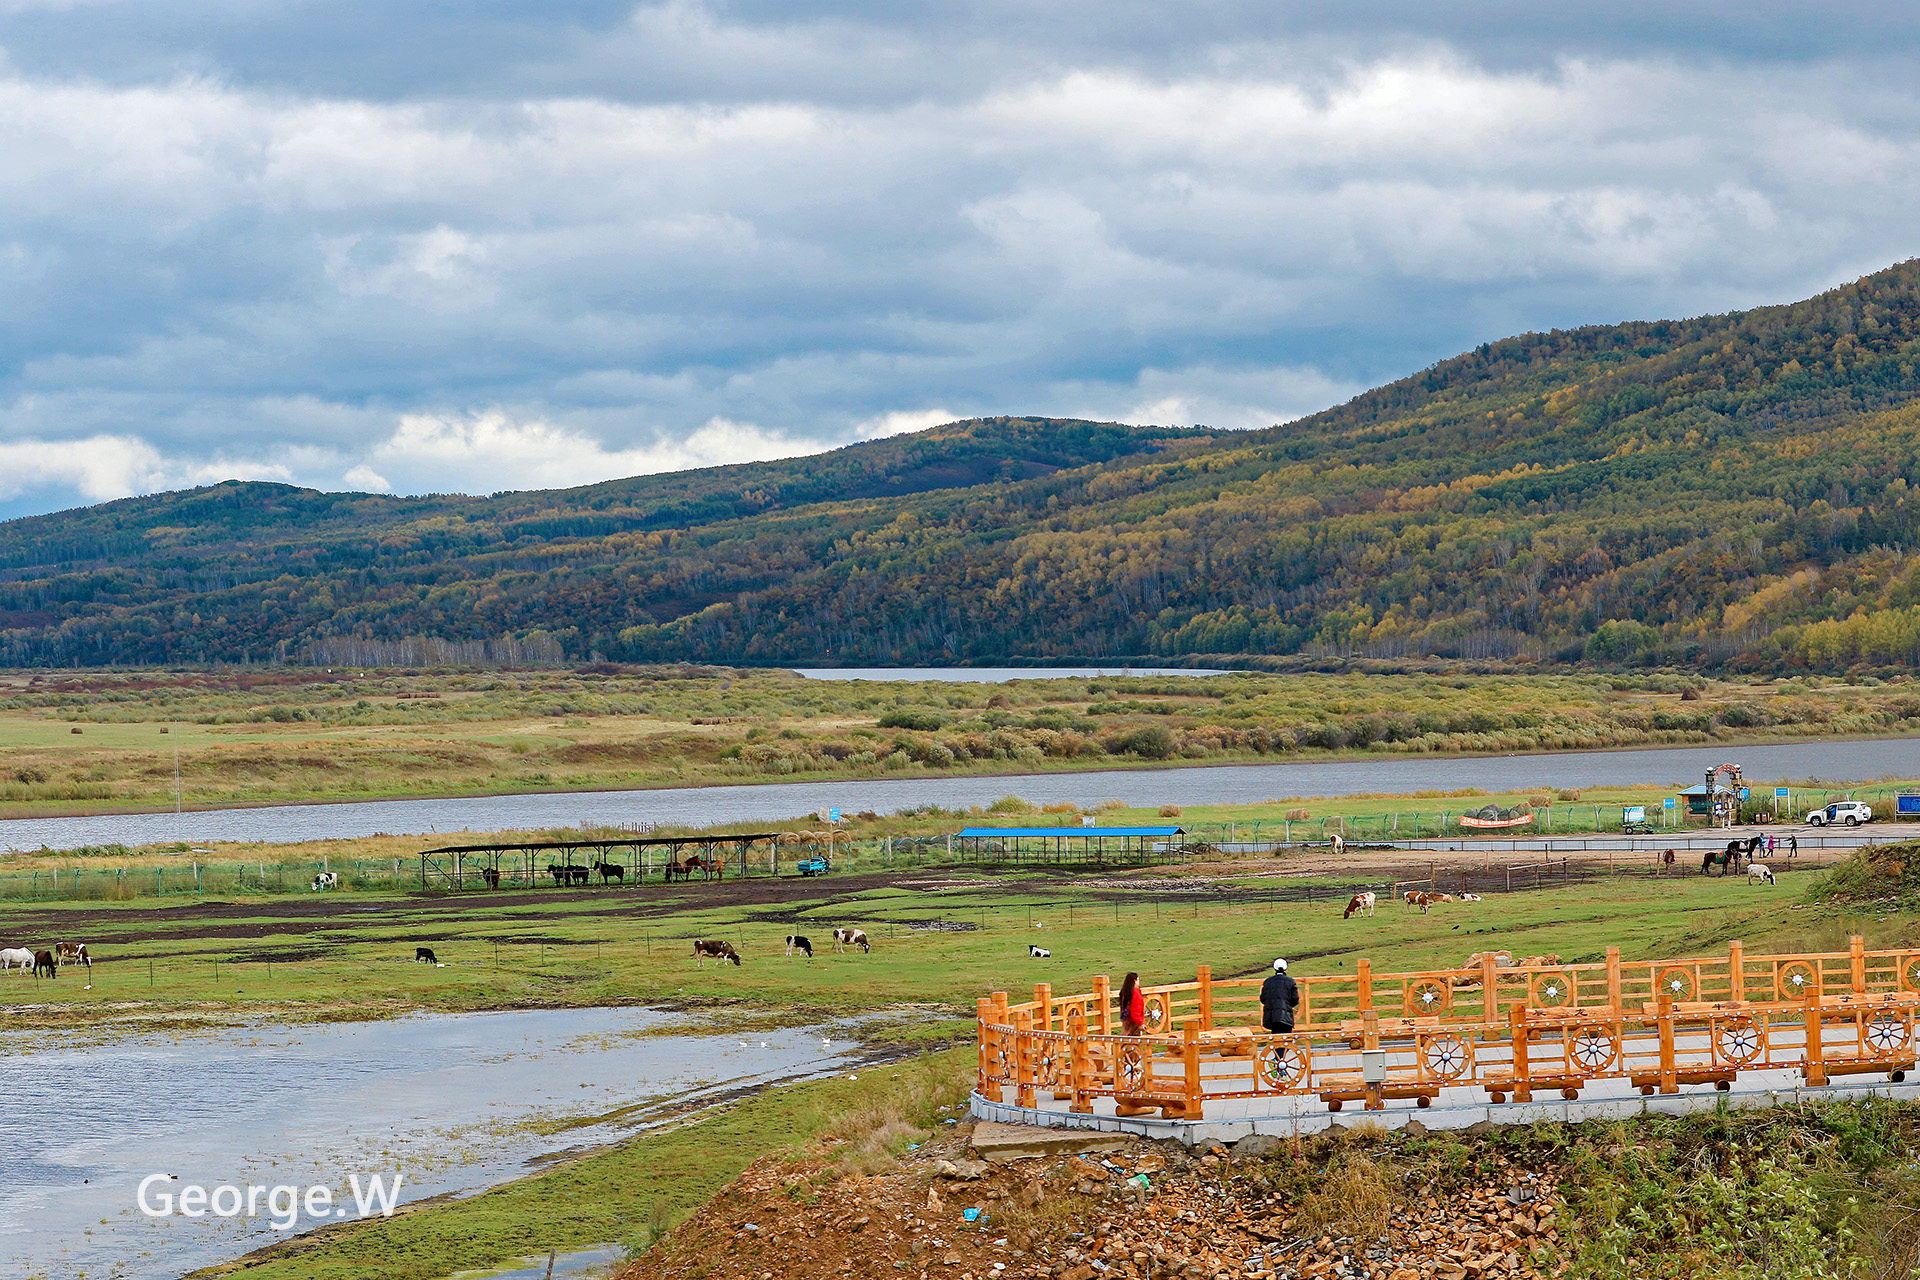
<point x="520" y="863"/>
<point x="1470" y="1043"/>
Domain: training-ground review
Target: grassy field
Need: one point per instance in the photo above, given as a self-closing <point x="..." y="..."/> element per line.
<point x="107" y="741"/>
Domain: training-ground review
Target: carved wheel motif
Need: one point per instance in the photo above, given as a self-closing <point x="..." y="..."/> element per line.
<point x="1129" y="1073"/>
<point x="1593" y="1048"/>
<point x="1157" y="1012"/>
<point x="1677" y="984"/>
<point x="1910" y="971"/>
<point x="997" y="1060"/>
<point x="1552" y="989"/>
<point x="1798" y="980"/>
<point x="1282" y="1066"/>
<point x="1047" y="1064"/>
<point x="1427" y="997"/>
<point x="1445" y="1055"/>
<point x="1736" y="1041"/>
<point x="1887" y="1032"/>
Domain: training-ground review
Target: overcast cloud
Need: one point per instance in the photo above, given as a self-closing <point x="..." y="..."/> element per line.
<point x="514" y="245"/>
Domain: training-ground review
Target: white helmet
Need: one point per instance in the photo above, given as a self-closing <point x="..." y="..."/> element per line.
<point x="1279" y="966"/>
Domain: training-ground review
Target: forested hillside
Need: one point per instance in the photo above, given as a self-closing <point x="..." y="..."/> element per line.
<point x="1733" y="489"/>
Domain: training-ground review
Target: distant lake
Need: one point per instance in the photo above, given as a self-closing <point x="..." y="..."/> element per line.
<point x="994" y="675"/>
<point x="778" y="802"/>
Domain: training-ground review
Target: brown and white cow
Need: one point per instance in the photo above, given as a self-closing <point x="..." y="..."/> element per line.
<point x="714" y="949"/>
<point x="1361" y="903"/>
<point x="846" y="938"/>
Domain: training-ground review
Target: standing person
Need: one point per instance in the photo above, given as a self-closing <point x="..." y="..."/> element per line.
<point x="1279" y="996"/>
<point x="1133" y="1006"/>
<point x="1769" y="844"/>
<point x="1129" y="1062"/>
<point x="1793" y="844"/>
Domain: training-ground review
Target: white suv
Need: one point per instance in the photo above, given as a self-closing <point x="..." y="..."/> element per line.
<point x="1851" y="812"/>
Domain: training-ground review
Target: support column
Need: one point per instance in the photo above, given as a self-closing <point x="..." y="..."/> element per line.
<point x="1080" y="1065"/>
<point x="1204" y="975"/>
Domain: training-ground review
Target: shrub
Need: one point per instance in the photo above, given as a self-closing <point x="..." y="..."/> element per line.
<point x="1169" y="810"/>
<point x="1298" y="815"/>
<point x="913" y="718"/>
<point x="1569" y="793"/>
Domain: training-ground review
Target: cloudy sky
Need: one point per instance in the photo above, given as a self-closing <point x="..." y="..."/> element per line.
<point x="492" y="244"/>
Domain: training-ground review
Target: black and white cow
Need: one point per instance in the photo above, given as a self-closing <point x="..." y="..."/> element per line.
<point x="326" y="880"/>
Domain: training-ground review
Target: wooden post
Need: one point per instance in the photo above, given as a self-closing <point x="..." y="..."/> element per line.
<point x="1370" y="1039"/>
<point x="1816" y="1068"/>
<point x="1669" y="1071"/>
<point x="1613" y="981"/>
<point x="1857" y="950"/>
<point x="1102" y="1005"/>
<point x="1080" y="1068"/>
<point x="1490" y="1005"/>
<point x="1363" y="974"/>
<point x="1023" y="1058"/>
<point x="1043" y="1002"/>
<point x="1737" y="971"/>
<point x="986" y="1011"/>
<point x="1522" y="1067"/>
<point x="1204" y="975"/>
<point x="1193" y="1106"/>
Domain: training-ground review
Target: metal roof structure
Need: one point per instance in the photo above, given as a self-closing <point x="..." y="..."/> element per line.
<point x="1067" y="833"/>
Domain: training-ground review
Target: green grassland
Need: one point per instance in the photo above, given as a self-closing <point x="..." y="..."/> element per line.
<point x="112" y="741"/>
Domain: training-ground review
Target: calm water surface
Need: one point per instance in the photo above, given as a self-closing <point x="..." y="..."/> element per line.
<point x="775" y="802"/>
<point x="442" y="1099"/>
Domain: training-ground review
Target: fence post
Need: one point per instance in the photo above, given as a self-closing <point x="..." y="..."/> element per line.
<point x="1370" y="1039"/>
<point x="1522" y="1067"/>
<point x="1192" y="1107"/>
<point x="1737" y="970"/>
<point x="1613" y="981"/>
<point x="1043" y="997"/>
<point x="1103" y="1004"/>
<point x="984" y="1009"/>
<point x="1204" y="975"/>
<point x="1669" y="1072"/>
<point x="1023" y="1058"/>
<point x="1857" y="952"/>
<point x="1080" y="1068"/>
<point x="1490" y="1002"/>
<point x="1363" y="974"/>
<point x="1816" y="1068"/>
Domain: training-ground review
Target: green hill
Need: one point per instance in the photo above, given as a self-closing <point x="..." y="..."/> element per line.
<point x="1732" y="489"/>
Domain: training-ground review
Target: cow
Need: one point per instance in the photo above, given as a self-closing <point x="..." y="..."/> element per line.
<point x="1759" y="871"/>
<point x="424" y="955"/>
<point x="845" y="938"/>
<point x="1470" y="897"/>
<point x="1038" y="953"/>
<point x="704" y="950"/>
<point x="16" y="957"/>
<point x="1362" y="903"/>
<point x="798" y="942"/>
<point x="73" y="953"/>
<point x="1336" y="843"/>
<point x="43" y="962"/>
<point x="326" y="880"/>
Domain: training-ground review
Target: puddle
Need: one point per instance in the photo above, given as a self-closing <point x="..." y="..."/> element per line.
<point x="452" y="1103"/>
<point x="586" y="1264"/>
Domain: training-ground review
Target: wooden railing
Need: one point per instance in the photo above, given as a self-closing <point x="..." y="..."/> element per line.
<point x="1371" y="1037"/>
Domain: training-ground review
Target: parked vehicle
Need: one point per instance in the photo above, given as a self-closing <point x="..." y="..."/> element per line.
<point x="1851" y="812"/>
<point x="813" y="866"/>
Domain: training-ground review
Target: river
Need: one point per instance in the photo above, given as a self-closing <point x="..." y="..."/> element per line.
<point x="779" y="801"/>
<point x="443" y="1100"/>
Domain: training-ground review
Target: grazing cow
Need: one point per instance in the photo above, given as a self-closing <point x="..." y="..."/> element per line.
<point x="845" y="938"/>
<point x="1361" y="902"/>
<point x="424" y="955"/>
<point x="73" y="953"/>
<point x="1415" y="898"/>
<point x="326" y="880"/>
<point x="13" y="957"/>
<point x="715" y="950"/>
<point x="491" y="876"/>
<point x="1039" y="953"/>
<point x="610" y="871"/>
<point x="796" y="942"/>
<point x="1759" y="871"/>
<point x="1336" y="843"/>
<point x="43" y="962"/>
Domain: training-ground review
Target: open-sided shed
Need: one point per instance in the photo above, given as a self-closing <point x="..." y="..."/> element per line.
<point x="1063" y="844"/>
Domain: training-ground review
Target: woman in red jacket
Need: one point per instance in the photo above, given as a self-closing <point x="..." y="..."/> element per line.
<point x="1133" y="1064"/>
<point x="1133" y="1006"/>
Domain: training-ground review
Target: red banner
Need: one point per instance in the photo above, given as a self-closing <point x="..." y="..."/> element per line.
<point x="1520" y="821"/>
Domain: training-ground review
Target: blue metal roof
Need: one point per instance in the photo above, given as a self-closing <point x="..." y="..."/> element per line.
<point x="1002" y="833"/>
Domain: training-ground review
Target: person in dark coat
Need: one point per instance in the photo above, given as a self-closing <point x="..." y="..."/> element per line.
<point x="1279" y="997"/>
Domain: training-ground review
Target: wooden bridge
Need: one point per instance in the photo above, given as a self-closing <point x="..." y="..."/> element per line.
<point x="1654" y="1025"/>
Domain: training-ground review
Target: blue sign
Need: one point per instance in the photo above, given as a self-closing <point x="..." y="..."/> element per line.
<point x="833" y="815"/>
<point x="1781" y="793"/>
<point x="1668" y="803"/>
<point x="1634" y="813"/>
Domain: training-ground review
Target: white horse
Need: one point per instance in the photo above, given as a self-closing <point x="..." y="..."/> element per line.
<point x="11" y="956"/>
<point x="1759" y="871"/>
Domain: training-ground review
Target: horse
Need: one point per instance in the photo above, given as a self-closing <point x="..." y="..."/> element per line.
<point x="490" y="876"/>
<point x="709" y="868"/>
<point x="1360" y="902"/>
<point x="1718" y="858"/>
<point x="798" y="942"/>
<point x="714" y="950"/>
<point x="1666" y="863"/>
<point x="11" y="957"/>
<point x="43" y="962"/>
<point x="844" y="938"/>
<point x="1759" y="871"/>
<point x="611" y="871"/>
<point x="424" y="955"/>
<point x="73" y="953"/>
<point x="568" y="874"/>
